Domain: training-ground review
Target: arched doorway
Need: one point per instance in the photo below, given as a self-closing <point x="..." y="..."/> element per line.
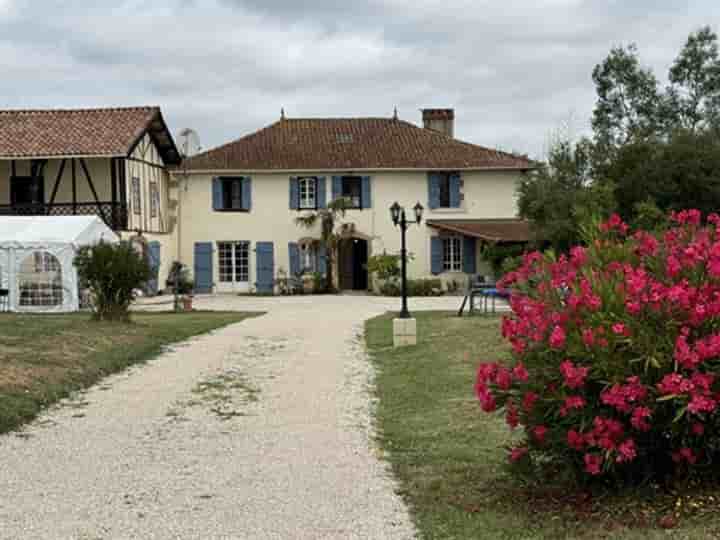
<point x="353" y="258"/>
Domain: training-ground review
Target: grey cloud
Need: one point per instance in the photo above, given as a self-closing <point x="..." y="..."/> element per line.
<point x="513" y="69"/>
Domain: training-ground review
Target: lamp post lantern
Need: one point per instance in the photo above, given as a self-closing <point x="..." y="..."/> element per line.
<point x="399" y="219"/>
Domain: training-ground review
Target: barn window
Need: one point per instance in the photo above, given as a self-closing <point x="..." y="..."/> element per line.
<point x="40" y="280"/>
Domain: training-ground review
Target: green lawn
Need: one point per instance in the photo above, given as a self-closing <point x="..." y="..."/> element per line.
<point x="447" y="455"/>
<point x="43" y="358"/>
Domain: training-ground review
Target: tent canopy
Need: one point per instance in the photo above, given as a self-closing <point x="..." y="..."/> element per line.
<point x="52" y="230"/>
<point x="36" y="259"/>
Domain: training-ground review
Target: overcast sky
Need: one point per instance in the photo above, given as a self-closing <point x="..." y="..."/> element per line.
<point x="513" y="70"/>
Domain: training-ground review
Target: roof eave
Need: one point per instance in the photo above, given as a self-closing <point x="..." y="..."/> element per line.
<point x="62" y="156"/>
<point x="180" y="170"/>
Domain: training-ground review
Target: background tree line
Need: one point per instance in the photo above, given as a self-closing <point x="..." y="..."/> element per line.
<point x="652" y="149"/>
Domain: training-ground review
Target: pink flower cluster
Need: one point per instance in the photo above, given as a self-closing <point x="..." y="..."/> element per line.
<point x="621" y="336"/>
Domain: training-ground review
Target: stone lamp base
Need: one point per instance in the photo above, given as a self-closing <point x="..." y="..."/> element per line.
<point x="404" y="332"/>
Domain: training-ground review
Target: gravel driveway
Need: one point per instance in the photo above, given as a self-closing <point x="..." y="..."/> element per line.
<point x="259" y="430"/>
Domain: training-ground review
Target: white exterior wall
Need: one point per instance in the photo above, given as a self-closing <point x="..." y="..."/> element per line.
<point x="486" y="195"/>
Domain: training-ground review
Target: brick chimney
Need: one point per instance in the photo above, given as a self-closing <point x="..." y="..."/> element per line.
<point x="442" y="120"/>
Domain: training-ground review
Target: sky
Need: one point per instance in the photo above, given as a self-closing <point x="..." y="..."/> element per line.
<point x="514" y="71"/>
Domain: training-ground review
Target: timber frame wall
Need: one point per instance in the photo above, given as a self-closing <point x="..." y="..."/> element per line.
<point x="145" y="168"/>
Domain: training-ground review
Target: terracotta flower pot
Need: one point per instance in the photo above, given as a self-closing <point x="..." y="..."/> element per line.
<point x="187" y="303"/>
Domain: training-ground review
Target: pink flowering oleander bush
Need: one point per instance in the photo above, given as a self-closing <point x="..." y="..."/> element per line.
<point x="616" y="354"/>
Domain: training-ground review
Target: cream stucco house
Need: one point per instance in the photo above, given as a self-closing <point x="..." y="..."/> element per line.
<point x="238" y="203"/>
<point x="229" y="214"/>
<point x="112" y="163"/>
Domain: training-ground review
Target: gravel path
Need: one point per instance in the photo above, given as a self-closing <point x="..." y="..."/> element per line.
<point x="260" y="430"/>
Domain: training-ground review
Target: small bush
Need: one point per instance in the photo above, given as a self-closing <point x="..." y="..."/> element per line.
<point x="496" y="254"/>
<point x="112" y="273"/>
<point x="179" y="277"/>
<point x="384" y="266"/>
<point x="415" y="287"/>
<point x="616" y="350"/>
<point x="424" y="287"/>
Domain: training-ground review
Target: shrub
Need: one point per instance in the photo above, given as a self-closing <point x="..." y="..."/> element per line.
<point x="179" y="276"/>
<point x="424" y="287"/>
<point x="415" y="287"/>
<point x="112" y="273"/>
<point x="616" y="352"/>
<point x="496" y="254"/>
<point x="384" y="266"/>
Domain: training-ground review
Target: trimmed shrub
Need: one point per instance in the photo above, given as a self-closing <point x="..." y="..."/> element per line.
<point x="616" y="355"/>
<point x="112" y="273"/>
<point x="424" y="287"/>
<point x="415" y="287"/>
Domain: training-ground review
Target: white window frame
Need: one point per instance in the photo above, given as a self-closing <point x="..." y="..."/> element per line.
<point x="307" y="192"/>
<point x="308" y="258"/>
<point x="40" y="281"/>
<point x="154" y="199"/>
<point x="136" y="195"/>
<point x="452" y="253"/>
<point x="233" y="266"/>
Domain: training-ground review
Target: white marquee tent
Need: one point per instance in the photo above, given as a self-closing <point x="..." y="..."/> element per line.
<point x="36" y="259"/>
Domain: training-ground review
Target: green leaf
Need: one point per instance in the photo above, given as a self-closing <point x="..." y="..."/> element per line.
<point x="680" y="414"/>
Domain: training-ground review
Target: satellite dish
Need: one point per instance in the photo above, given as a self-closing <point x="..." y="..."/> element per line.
<point x="189" y="142"/>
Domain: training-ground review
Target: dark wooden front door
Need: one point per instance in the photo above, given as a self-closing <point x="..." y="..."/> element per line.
<point x="353" y="264"/>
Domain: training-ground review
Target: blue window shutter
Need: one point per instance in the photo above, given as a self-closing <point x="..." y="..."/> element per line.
<point x="433" y="191"/>
<point x="321" y="192"/>
<point x="366" y="192"/>
<point x="294" y="252"/>
<point x="469" y="254"/>
<point x="203" y="267"/>
<point x="217" y="195"/>
<point x="336" y="187"/>
<point x="246" y="193"/>
<point x="455" y="191"/>
<point x="265" y="267"/>
<point x="294" y="193"/>
<point x="153" y="283"/>
<point x="436" y="255"/>
<point x="322" y="260"/>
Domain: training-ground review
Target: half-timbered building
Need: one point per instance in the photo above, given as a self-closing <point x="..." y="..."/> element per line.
<point x="107" y="162"/>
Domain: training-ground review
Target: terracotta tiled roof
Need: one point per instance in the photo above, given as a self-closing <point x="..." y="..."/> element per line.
<point x="492" y="230"/>
<point x="80" y="132"/>
<point x="351" y="144"/>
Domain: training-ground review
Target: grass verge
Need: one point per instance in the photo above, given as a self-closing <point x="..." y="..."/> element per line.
<point x="44" y="358"/>
<point x="449" y="459"/>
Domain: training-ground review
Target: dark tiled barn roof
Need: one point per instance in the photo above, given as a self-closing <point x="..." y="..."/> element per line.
<point x="351" y="144"/>
<point x="81" y="132"/>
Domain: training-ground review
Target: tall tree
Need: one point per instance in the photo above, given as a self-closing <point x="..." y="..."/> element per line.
<point x="559" y="198"/>
<point x="629" y="105"/>
<point x="694" y="92"/>
<point x="328" y="219"/>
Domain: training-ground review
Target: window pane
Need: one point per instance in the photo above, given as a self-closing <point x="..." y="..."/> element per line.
<point x="351" y="190"/>
<point x="452" y="254"/>
<point x="40" y="280"/>
<point x="225" y="261"/>
<point x="232" y="193"/>
<point x="136" y="195"/>
<point x="307" y="192"/>
<point x="445" y="190"/>
<point x="242" y="258"/>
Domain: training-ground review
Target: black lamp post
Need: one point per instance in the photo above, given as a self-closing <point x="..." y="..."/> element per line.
<point x="397" y="213"/>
